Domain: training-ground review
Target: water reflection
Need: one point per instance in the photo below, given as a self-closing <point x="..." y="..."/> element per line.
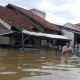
<point x="34" y="65"/>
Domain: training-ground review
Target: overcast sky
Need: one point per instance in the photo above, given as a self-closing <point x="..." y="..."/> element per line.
<point x="57" y="11"/>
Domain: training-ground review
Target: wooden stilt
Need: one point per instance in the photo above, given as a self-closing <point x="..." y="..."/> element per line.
<point x="74" y="41"/>
<point x="22" y="41"/>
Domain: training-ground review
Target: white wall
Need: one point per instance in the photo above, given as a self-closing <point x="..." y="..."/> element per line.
<point x="3" y="29"/>
<point x="3" y="40"/>
<point x="70" y="35"/>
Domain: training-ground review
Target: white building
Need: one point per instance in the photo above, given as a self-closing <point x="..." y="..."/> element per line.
<point x="72" y="32"/>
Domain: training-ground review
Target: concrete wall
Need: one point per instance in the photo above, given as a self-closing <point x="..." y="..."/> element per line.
<point x="12" y="41"/>
<point x="3" y="40"/>
<point x="44" y="42"/>
<point x="69" y="35"/>
<point x="4" y="28"/>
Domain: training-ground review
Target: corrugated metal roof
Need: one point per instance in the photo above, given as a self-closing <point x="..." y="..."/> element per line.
<point x="78" y="26"/>
<point x="35" y="17"/>
<point x="72" y="26"/>
<point x="38" y="34"/>
<point x="13" y="19"/>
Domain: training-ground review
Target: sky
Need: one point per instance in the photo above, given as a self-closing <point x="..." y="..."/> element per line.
<point x="57" y="11"/>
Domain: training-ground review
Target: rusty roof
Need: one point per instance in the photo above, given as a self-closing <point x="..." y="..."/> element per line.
<point x="35" y="17"/>
<point x="13" y="19"/>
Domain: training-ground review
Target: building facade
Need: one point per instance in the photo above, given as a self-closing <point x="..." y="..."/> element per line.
<point x="14" y="18"/>
<point x="72" y="32"/>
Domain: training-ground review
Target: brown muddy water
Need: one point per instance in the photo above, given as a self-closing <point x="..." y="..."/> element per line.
<point x="38" y="65"/>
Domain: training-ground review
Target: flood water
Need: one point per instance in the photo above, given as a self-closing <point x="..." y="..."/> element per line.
<point x="38" y="65"/>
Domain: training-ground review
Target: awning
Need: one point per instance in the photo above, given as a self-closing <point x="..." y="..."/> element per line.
<point x="36" y="34"/>
<point x="11" y="34"/>
<point x="53" y="36"/>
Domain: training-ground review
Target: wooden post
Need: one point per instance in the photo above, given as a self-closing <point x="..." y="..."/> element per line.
<point x="74" y="43"/>
<point x="22" y="41"/>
